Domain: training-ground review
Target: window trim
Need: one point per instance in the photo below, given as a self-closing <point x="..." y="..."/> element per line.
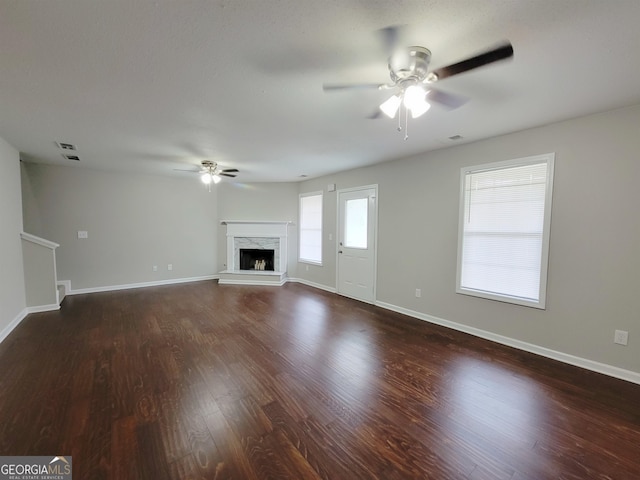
<point x="549" y="158"/>
<point x="319" y="193"/>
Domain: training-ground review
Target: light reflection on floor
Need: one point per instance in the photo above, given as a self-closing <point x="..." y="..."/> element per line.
<point x="354" y="361"/>
<point x="349" y="353"/>
<point x="309" y="323"/>
<point x="491" y="406"/>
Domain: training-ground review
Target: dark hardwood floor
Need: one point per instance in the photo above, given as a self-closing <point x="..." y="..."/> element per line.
<point x="207" y="381"/>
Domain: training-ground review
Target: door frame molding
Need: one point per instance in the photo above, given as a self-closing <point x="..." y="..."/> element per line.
<point x="375" y="239"/>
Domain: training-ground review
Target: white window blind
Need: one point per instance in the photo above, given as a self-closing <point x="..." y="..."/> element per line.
<point x="310" y="245"/>
<point x="504" y="230"/>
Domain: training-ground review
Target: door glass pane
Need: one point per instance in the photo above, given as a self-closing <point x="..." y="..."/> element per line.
<point x="355" y="223"/>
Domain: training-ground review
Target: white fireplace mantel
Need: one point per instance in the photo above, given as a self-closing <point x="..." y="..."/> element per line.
<point x="240" y="222"/>
<point x="256" y="229"/>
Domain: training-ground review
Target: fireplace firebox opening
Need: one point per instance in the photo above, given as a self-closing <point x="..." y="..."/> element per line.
<point x="256" y="259"/>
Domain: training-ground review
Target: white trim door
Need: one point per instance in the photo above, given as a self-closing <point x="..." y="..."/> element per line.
<point x="357" y="242"/>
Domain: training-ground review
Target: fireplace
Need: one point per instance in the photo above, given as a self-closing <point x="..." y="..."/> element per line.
<point x="257" y="259"/>
<point x="256" y="253"/>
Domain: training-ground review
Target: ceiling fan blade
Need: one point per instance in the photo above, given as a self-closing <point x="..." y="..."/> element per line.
<point x="229" y="170"/>
<point x="501" y="53"/>
<point x="226" y="175"/>
<point x="183" y="170"/>
<point x="331" y="87"/>
<point x="448" y="100"/>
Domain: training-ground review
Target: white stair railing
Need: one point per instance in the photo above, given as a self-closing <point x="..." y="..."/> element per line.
<point x="40" y="277"/>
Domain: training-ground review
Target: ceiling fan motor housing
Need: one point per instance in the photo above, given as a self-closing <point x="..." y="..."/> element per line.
<point x="409" y="64"/>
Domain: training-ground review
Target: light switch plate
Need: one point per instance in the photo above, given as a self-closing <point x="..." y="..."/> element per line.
<point x="83" y="234"/>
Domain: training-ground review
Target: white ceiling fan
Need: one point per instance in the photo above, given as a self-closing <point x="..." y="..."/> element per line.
<point x="411" y="78"/>
<point x="211" y="172"/>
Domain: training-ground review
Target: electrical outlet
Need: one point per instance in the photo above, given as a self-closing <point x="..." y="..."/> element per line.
<point x="621" y="337"/>
<point x="170" y="267"/>
<point x="418" y="293"/>
<point x="155" y="268"/>
<point x="83" y="234"/>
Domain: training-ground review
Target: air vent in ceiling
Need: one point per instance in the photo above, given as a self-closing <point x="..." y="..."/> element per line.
<point x="455" y="137"/>
<point x="71" y="157"/>
<point x="66" y="146"/>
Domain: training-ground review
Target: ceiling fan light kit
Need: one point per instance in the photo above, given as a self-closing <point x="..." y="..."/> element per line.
<point x="206" y="178"/>
<point x="413" y="99"/>
<point x="391" y="106"/>
<point x="409" y="73"/>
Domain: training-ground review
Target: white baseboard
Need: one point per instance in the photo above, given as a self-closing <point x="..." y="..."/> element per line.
<point x="128" y="286"/>
<point x="594" y="366"/>
<point x="13" y="324"/>
<point x="312" y="284"/>
<point x="43" y="308"/>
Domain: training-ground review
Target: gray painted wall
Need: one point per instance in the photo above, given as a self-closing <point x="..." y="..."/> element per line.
<point x="134" y="222"/>
<point x="593" y="280"/>
<point x="12" y="290"/>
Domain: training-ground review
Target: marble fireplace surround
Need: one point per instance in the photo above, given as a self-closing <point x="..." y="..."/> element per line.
<point x="262" y="235"/>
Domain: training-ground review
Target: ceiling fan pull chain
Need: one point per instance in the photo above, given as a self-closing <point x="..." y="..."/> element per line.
<point x="406" y="123"/>
<point x="400" y="117"/>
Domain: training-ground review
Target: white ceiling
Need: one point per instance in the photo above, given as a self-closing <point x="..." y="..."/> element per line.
<point x="150" y="86"/>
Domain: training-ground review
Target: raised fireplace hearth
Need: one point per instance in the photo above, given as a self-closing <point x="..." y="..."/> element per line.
<point x="256" y="253"/>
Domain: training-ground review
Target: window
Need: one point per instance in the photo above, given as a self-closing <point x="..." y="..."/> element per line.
<point x="310" y="247"/>
<point x="355" y="225"/>
<point x="503" y="237"/>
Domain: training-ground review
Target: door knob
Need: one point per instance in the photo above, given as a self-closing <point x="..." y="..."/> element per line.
<point x="339" y="251"/>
